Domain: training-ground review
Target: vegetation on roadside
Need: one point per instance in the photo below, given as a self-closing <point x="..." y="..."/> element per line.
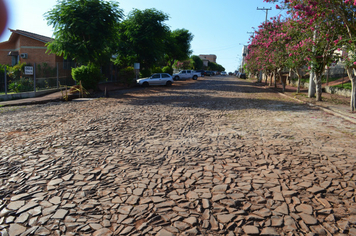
<point x="344" y="86"/>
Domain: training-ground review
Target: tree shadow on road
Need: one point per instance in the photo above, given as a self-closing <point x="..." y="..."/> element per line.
<point x="203" y="101"/>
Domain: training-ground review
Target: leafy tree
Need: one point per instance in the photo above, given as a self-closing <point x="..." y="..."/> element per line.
<point x="177" y="45"/>
<point x="84" y="30"/>
<point x="141" y="37"/>
<point x="215" y="67"/>
<point x="330" y="24"/>
<point x="197" y="62"/>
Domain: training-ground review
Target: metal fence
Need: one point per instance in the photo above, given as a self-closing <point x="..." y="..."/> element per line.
<point x="38" y="77"/>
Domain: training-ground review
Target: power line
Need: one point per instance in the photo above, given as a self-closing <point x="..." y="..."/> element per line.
<point x="265" y="9"/>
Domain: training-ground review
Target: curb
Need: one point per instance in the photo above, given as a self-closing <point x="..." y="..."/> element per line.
<point x="336" y="113"/>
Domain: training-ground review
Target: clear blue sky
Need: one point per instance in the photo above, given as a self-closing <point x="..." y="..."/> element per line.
<point x="219" y="27"/>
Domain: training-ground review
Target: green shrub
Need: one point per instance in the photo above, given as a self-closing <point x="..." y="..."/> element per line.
<point x="127" y="75"/>
<point x="145" y="73"/>
<point x="156" y="70"/>
<point x="90" y="75"/>
<point x="15" y="71"/>
<point x="167" y="69"/>
<point x="344" y="86"/>
<point x="25" y="84"/>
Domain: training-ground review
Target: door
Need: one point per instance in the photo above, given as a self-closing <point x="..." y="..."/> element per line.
<point x="155" y="79"/>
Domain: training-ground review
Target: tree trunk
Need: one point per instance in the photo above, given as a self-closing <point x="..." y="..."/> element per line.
<point x="299" y="79"/>
<point x="352" y="76"/>
<point x="266" y="78"/>
<point x="318" y="91"/>
<point x="311" y="90"/>
<point x="283" y="79"/>
<point x="327" y="76"/>
<point x="299" y="74"/>
<point x="270" y="79"/>
<point x="275" y="78"/>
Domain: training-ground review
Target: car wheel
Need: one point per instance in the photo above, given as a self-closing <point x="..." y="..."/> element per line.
<point x="145" y="84"/>
<point x="169" y="83"/>
<point x="195" y="77"/>
<point x="176" y="78"/>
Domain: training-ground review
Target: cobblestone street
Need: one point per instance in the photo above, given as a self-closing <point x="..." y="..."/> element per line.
<point x="216" y="156"/>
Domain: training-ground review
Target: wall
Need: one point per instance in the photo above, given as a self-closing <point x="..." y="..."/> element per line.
<point x="327" y="89"/>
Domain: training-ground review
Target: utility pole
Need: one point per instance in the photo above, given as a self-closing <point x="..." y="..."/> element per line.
<point x="265" y="9"/>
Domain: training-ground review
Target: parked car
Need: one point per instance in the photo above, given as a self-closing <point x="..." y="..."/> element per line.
<point x="202" y="72"/>
<point x="156" y="79"/>
<point x="243" y="76"/>
<point x="208" y="73"/>
<point x="223" y="73"/>
<point x="187" y="74"/>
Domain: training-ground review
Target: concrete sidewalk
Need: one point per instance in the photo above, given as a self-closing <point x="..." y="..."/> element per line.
<point x="332" y="103"/>
<point x="57" y="96"/>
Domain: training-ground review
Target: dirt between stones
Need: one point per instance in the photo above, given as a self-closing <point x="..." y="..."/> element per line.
<point x="217" y="156"/>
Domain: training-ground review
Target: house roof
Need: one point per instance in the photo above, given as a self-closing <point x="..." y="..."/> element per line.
<point x="38" y="37"/>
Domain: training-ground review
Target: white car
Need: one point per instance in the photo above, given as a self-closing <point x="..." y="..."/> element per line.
<point x="223" y="73"/>
<point x="156" y="79"/>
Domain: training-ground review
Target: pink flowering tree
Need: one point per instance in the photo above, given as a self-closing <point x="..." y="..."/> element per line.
<point x="298" y="48"/>
<point x="334" y="25"/>
<point x="267" y="49"/>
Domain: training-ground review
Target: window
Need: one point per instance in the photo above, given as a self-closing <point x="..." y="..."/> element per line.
<point x="14" y="60"/>
<point x="156" y="76"/>
<point x="68" y="63"/>
<point x="184" y="72"/>
<point x="165" y="76"/>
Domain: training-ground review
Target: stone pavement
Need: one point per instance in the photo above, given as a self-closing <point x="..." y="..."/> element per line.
<point x="215" y="157"/>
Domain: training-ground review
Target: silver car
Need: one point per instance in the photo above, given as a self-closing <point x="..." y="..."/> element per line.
<point x="156" y="79"/>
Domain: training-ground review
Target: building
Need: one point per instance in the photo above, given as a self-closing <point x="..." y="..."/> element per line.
<point x="244" y="55"/>
<point x="207" y="58"/>
<point x="27" y="47"/>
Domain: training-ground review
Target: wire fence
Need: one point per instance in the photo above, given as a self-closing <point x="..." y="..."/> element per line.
<point x="35" y="78"/>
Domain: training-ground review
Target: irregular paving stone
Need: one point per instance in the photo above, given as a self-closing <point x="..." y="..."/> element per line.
<point x="315" y="189"/>
<point x="251" y="230"/>
<point x="132" y="200"/>
<point x="27" y="207"/>
<point x="42" y="231"/>
<point x="15" y="205"/>
<point x="164" y="232"/>
<point x="191" y="220"/>
<point x="60" y="214"/>
<point x="181" y="225"/>
<point x="308" y="219"/>
<point x="283" y="209"/>
<point x="16" y="229"/>
<point x="103" y="232"/>
<point x="220" y="188"/>
<point x="269" y="231"/>
<point x="277" y="221"/>
<point x="307" y="209"/>
<point x="22" y="218"/>
<point x="125" y="209"/>
<point x="225" y="218"/>
<point x="19" y="197"/>
<point x="195" y="165"/>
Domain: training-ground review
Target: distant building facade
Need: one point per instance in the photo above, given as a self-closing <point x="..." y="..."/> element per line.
<point x="206" y="58"/>
<point x="244" y="55"/>
<point x="28" y="47"/>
